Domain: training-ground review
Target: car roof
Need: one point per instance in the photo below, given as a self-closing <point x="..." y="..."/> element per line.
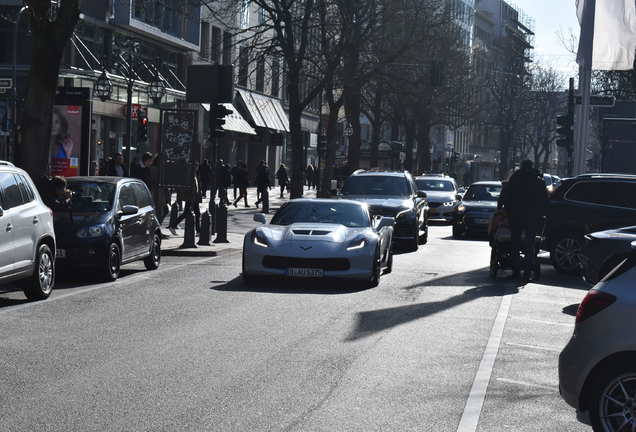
<point x="607" y="176"/>
<point x="327" y="201"/>
<point x="426" y="177"/>
<point x="100" y="179"/>
<point x="487" y="183"/>
<point x="361" y="173"/>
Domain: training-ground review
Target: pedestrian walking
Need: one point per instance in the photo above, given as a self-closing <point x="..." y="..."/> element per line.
<point x="241" y="181"/>
<point x="525" y="200"/>
<point x="236" y="173"/>
<point x="143" y="169"/>
<point x="192" y="197"/>
<point x="223" y="177"/>
<point x="309" y="174"/>
<point x="262" y="181"/>
<point x="283" y="178"/>
<point x="205" y="177"/>
<point x="116" y="166"/>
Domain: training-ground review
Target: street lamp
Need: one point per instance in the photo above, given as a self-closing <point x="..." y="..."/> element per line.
<point x="157" y="88"/>
<point x="103" y="87"/>
<point x="130" y="50"/>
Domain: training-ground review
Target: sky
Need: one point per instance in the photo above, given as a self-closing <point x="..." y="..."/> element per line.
<point x="552" y="16"/>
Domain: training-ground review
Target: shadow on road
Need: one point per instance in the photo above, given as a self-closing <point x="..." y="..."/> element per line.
<point x="371" y="322"/>
<point x="571" y="309"/>
<point x="272" y="286"/>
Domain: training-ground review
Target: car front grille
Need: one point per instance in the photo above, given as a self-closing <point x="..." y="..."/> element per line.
<point x="383" y="211"/>
<point x="434" y="204"/>
<point x="333" y="264"/>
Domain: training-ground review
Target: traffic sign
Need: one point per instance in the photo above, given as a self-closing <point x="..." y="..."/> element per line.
<point x="599" y="101"/>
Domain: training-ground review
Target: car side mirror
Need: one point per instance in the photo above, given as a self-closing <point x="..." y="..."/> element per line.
<point x="1" y="212"/>
<point x="385" y="221"/>
<point x="129" y="210"/>
<point x="421" y="194"/>
<point x="260" y="218"/>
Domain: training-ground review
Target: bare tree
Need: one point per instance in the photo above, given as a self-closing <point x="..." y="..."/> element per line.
<point x="51" y="28"/>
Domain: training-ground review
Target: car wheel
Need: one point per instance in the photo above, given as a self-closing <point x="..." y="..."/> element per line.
<point x="457" y="231"/>
<point x="154" y="259"/>
<point x="374" y="277"/>
<point x="566" y="254"/>
<point x="40" y="284"/>
<point x="112" y="262"/>
<point x="494" y="264"/>
<point x="613" y="399"/>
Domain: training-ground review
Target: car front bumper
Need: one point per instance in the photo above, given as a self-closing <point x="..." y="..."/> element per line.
<point x="87" y="253"/>
<point x="442" y="213"/>
<point x="474" y="222"/>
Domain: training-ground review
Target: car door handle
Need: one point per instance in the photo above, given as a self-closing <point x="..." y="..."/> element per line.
<point x="9" y="227"/>
<point x="36" y="219"/>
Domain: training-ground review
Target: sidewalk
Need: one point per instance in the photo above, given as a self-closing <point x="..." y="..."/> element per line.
<point x="239" y="221"/>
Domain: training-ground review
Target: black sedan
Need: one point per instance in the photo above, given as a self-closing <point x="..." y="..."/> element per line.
<point x="108" y="222"/>
<point x="478" y="206"/>
<point x="604" y="250"/>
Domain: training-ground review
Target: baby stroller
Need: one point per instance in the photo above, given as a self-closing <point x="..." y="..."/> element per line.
<point x="501" y="246"/>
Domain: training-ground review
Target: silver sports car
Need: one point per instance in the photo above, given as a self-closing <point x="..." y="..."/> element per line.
<point x="316" y="238"/>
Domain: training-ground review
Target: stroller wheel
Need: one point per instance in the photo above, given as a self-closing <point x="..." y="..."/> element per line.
<point x="494" y="264"/>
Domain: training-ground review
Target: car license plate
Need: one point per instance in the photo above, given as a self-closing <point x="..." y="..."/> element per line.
<point x="60" y="253"/>
<point x="305" y="272"/>
<point x="482" y="221"/>
<point x="432" y="212"/>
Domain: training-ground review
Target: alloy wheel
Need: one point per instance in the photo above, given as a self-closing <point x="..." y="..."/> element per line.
<point x="618" y="404"/>
<point x="45" y="273"/>
<point x="568" y="254"/>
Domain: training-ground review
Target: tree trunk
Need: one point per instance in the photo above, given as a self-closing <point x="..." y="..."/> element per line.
<point x="353" y="101"/>
<point x="332" y="142"/>
<point x="424" y="147"/>
<point x="298" y="154"/>
<point x="410" y="143"/>
<point x="49" y="40"/>
<point x="377" y="123"/>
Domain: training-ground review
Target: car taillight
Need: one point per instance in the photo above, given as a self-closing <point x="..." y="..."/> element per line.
<point x="594" y="302"/>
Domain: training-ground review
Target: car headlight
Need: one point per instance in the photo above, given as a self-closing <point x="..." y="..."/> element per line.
<point x="91" y="231"/>
<point x="259" y="239"/>
<point x="449" y="203"/>
<point x="461" y="208"/>
<point x="357" y="244"/>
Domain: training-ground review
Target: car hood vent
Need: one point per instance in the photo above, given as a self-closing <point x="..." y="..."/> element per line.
<point x="311" y="232"/>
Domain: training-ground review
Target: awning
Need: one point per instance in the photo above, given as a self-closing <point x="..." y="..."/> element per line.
<point x="235" y="121"/>
<point x="266" y="112"/>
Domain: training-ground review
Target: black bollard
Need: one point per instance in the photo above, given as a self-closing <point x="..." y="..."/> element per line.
<point x="189" y="236"/>
<point x="174" y="214"/>
<point x="221" y="224"/>
<point x="204" y="232"/>
<point x="265" y="199"/>
<point x="212" y="211"/>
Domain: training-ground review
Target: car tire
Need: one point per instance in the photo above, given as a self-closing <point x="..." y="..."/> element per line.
<point x="457" y="231"/>
<point x="112" y="263"/>
<point x="41" y="283"/>
<point x="374" y="277"/>
<point x="607" y="384"/>
<point x="153" y="260"/>
<point x="565" y="254"/>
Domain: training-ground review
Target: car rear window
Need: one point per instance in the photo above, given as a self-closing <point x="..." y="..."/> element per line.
<point x="377" y="185"/>
<point x="609" y="193"/>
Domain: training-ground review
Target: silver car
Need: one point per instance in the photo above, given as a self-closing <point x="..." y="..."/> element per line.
<point x="320" y="239"/>
<point x="442" y="196"/>
<point x="597" y="368"/>
<point x="27" y="238"/>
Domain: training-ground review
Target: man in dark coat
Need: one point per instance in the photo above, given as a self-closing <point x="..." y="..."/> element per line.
<point x="236" y="177"/>
<point x="205" y="176"/>
<point x="262" y="181"/>
<point x="283" y="178"/>
<point x="525" y="202"/>
<point x="241" y="182"/>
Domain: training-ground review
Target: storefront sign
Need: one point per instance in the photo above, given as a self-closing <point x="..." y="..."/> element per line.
<point x="178" y="139"/>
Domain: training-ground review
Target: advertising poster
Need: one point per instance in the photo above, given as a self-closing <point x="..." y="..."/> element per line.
<point x="66" y="140"/>
<point x="177" y="144"/>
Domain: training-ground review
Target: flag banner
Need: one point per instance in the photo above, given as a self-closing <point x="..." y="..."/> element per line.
<point x="609" y="26"/>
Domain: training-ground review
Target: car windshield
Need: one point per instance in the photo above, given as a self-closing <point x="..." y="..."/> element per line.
<point x="376" y="185"/>
<point x="349" y="215"/>
<point x="430" y="185"/>
<point x="483" y="193"/>
<point x="91" y="197"/>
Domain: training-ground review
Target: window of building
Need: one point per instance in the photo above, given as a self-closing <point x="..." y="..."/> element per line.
<point x="215" y="48"/>
<point x="245" y="14"/>
<point x="260" y="75"/>
<point x="227" y="48"/>
<point x="205" y="40"/>
<point x="262" y="16"/>
<point x="244" y="63"/>
<point x="275" y="77"/>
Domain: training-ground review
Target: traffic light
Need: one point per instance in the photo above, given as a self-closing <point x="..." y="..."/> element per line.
<point x="220" y="112"/>
<point x="142" y="125"/>
<point x="564" y="131"/>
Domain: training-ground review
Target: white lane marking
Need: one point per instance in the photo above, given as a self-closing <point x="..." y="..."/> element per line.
<point x="535" y="347"/>
<point x="527" y="384"/>
<point x="477" y="395"/>
<point x="119" y="284"/>
<point x="565" y="324"/>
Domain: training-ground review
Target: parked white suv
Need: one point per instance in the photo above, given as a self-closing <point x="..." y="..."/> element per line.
<point x="27" y="239"/>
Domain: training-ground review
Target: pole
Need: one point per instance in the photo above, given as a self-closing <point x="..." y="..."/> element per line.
<point x="585" y="78"/>
<point x="14" y="70"/>
<point x="571" y="132"/>
<point x="213" y="163"/>
<point x="129" y="125"/>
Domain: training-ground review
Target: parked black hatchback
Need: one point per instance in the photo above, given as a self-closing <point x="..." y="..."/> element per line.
<point x="583" y="205"/>
<point x="110" y="221"/>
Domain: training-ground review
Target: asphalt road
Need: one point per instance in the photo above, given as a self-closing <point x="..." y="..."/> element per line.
<point x="189" y="347"/>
